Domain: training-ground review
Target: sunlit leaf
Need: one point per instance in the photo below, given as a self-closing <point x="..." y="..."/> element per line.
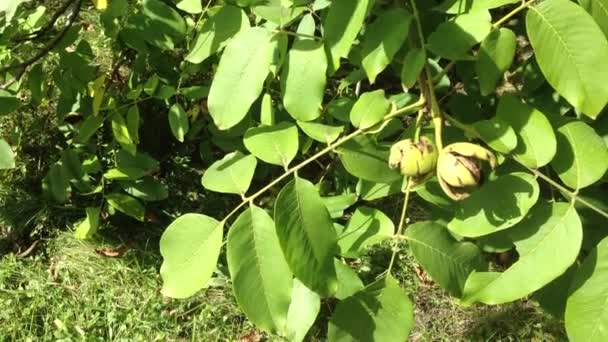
<point x="190" y="248"/>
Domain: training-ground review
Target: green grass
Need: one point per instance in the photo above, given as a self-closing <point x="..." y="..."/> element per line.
<point x="70" y="292"/>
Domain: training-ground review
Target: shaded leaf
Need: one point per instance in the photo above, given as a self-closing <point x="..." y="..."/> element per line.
<point x="446" y="260"/>
<point x="276" y="144"/>
<point x="366" y="226"/>
<point x="453" y="39"/>
<point x="127" y="205"/>
<point x="498" y="205"/>
<point x="495" y="57"/>
<point x="365" y="159"/>
<point x="382" y="40"/>
<point x="232" y="174"/>
<point x="341" y="26"/>
<point x="379" y="312"/>
<point x="548" y="242"/>
<point x="306" y="234"/>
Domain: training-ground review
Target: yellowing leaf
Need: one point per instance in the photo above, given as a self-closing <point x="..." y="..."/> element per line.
<point x="100" y="4"/>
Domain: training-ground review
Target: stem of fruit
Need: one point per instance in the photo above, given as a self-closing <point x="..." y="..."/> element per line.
<point x="427" y="87"/>
<point x="521" y="7"/>
<point x="399" y="232"/>
<point x="573" y="195"/>
<point x="397" y="112"/>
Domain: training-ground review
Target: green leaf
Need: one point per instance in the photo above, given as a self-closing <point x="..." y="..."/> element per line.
<point x="463" y="6"/>
<point x="276" y="144"/>
<point x="190" y="248"/>
<point x="320" y="132"/>
<point x="337" y="204"/>
<point x="536" y="144"/>
<point x="497" y="134"/>
<point x="87" y="228"/>
<point x="127" y="205"/>
<point x="56" y="184"/>
<point x="231" y="175"/>
<point x="412" y="66"/>
<point x="587" y="307"/>
<point x="74" y="171"/>
<point x="267" y="115"/>
<point x="178" y="121"/>
<point x="582" y="155"/>
<point x="495" y="57"/>
<point x="164" y="27"/>
<point x="124" y="174"/>
<point x="367" y="226"/>
<point x="349" y="282"/>
<point x="216" y="32"/>
<point x="365" y="159"/>
<point x="8" y="102"/>
<point x="572" y="57"/>
<point x="140" y="160"/>
<point x="36" y="83"/>
<point x="446" y="260"/>
<point x="599" y="11"/>
<point x="240" y="76"/>
<point x="498" y="205"/>
<point x="303" y="311"/>
<point x="260" y="276"/>
<point x="340" y="109"/>
<point x="547" y="241"/>
<point x="277" y="12"/>
<point x="370" y="191"/>
<point x="307" y="237"/>
<point x="147" y="189"/>
<point x="122" y="134"/>
<point x="7" y="158"/>
<point x="88" y="128"/>
<point x="454" y="39"/>
<point x="379" y="312"/>
<point x="370" y="108"/>
<point x="190" y="6"/>
<point x="341" y="26"/>
<point x="133" y="123"/>
<point x="304" y="79"/>
<point x="382" y="39"/>
<point x="431" y="192"/>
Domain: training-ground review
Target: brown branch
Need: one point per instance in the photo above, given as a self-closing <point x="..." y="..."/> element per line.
<point x="22" y="67"/>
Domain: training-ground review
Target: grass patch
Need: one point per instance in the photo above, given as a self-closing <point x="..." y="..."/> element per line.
<point x="69" y="291"/>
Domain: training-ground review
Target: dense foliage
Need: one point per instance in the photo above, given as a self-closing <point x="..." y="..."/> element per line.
<point x="311" y="111"/>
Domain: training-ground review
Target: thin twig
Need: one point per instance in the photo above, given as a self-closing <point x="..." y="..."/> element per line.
<point x="293" y="170"/>
<point x="406" y="201"/>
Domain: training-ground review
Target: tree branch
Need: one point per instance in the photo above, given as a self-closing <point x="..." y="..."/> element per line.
<point x="22" y="67"/>
<point x="38" y="33"/>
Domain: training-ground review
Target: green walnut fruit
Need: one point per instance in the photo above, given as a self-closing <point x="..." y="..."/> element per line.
<point x="414" y="159"/>
<point x="459" y="168"/>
